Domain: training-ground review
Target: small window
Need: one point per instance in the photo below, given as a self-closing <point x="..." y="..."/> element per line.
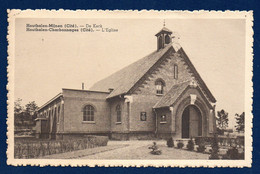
<point x="88" y="113"/>
<point x="143" y="116"/>
<point x="175" y="71"/>
<point x="163" y="119"/>
<point x="159" y="87"/>
<point x="118" y="114"/>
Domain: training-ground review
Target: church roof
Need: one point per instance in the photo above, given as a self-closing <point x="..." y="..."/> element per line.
<point x="172" y="95"/>
<point x="176" y="92"/>
<point x="123" y="80"/>
<point x="164" y="29"/>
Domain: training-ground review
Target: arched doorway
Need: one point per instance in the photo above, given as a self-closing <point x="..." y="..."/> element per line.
<point x="191" y="122"/>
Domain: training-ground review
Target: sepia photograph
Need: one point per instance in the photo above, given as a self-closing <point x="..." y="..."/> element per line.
<point x="130" y="88"/>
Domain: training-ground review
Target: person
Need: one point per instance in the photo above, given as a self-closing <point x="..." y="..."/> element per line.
<point x="155" y="149"/>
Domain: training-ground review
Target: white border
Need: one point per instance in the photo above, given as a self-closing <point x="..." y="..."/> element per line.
<point x="247" y="15"/>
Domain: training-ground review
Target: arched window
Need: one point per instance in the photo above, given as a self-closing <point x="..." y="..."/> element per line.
<point x="167" y="39"/>
<point x="159" y="84"/>
<point x="88" y="113"/>
<point x="118" y="113"/>
<point x="175" y="71"/>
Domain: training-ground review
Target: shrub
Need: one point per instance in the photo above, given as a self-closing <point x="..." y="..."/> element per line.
<point x="201" y="148"/>
<point x="214" y="146"/>
<point x="198" y="140"/>
<point x="170" y="142"/>
<point x="233" y="154"/>
<point x="190" y="145"/>
<point x="35" y="149"/>
<point x="180" y="145"/>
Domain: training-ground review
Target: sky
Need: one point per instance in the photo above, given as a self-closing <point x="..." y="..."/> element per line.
<point x="46" y="62"/>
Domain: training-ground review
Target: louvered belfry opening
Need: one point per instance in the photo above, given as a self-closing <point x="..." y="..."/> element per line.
<point x="163" y="38"/>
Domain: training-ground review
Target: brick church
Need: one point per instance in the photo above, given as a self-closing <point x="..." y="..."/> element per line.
<point x="160" y="95"/>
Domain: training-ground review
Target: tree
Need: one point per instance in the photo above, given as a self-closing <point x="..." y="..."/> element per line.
<point x="30" y="110"/>
<point x="24" y="116"/>
<point x="18" y="108"/>
<point x="222" y="120"/>
<point x="240" y="120"/>
<point x="18" y="112"/>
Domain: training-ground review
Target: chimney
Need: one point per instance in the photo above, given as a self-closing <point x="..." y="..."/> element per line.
<point x="82" y="86"/>
<point x="110" y="89"/>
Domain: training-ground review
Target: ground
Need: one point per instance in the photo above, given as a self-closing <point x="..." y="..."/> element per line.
<point x="130" y="150"/>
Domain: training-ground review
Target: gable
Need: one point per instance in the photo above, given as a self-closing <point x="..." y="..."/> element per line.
<point x="177" y="92"/>
<point x="123" y="80"/>
<point x="201" y="83"/>
<point x="163" y="70"/>
<point x="134" y="76"/>
<point x="173" y="94"/>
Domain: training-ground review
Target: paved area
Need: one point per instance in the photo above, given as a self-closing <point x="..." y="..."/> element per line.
<point x="129" y="150"/>
<point x="139" y="150"/>
<point x="81" y="153"/>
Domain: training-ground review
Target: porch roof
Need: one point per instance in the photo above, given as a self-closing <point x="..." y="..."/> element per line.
<point x="172" y="95"/>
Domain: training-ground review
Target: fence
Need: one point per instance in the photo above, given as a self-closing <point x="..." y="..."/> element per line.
<point x="37" y="149"/>
<point x="222" y="141"/>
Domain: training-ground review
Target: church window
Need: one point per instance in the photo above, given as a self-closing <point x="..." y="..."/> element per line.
<point x="175" y="71"/>
<point x="88" y="113"/>
<point x="159" y="84"/>
<point x="118" y="114"/>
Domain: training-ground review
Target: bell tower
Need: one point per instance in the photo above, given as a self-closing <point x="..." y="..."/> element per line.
<point x="163" y="37"/>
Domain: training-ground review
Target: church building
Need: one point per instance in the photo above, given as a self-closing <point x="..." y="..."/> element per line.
<point x="159" y="96"/>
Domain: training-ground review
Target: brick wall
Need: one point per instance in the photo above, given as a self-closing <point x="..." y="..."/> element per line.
<point x="178" y="109"/>
<point x="74" y="102"/>
<point x="118" y="126"/>
<point x="165" y="72"/>
<point x="142" y="103"/>
<point x="144" y="97"/>
<point x="164" y="127"/>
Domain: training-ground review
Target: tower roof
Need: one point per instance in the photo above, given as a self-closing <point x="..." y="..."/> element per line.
<point x="164" y="30"/>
